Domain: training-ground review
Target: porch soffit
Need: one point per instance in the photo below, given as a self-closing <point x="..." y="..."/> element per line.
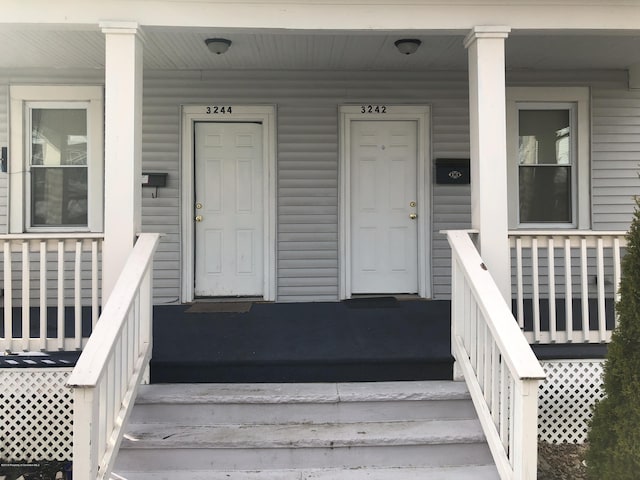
<point x="184" y="49"/>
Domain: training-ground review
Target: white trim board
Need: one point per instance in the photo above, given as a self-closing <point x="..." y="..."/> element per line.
<point x="421" y="114"/>
<point x="223" y="112"/>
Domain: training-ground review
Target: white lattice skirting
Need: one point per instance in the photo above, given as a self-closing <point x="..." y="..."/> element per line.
<point x="566" y="398"/>
<point x="36" y="408"/>
<point x="36" y="414"/>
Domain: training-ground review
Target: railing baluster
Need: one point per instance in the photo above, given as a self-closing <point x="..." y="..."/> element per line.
<point x="551" y="262"/>
<point x="495" y="384"/>
<point x="487" y="354"/>
<point x="519" y="282"/>
<point x="616" y="276"/>
<point x="584" y="277"/>
<point x="602" y="315"/>
<point x="504" y="405"/>
<point x="26" y="297"/>
<point x="536" y="289"/>
<point x="95" y="311"/>
<point x="8" y="296"/>
<point x="43" y="295"/>
<point x="77" y="306"/>
<point x="568" y="287"/>
<point x="61" y="313"/>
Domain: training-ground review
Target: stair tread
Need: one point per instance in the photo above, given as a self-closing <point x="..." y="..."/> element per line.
<point x="416" y="432"/>
<point x="200" y="393"/>
<point x="465" y="472"/>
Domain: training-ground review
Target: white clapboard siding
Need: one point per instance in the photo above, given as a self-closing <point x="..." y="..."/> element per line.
<point x="307" y="165"/>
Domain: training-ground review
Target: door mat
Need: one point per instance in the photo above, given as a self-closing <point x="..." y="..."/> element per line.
<point x="372" y="302"/>
<point x="219" y="307"/>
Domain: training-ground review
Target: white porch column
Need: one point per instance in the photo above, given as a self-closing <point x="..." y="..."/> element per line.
<point x="123" y="147"/>
<point x="487" y="113"/>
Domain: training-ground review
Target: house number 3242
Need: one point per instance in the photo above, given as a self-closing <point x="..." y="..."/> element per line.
<point x="216" y="109"/>
<point x="373" y="109"/>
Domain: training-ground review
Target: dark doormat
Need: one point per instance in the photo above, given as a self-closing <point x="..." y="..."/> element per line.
<point x="372" y="302"/>
<point x="219" y="307"/>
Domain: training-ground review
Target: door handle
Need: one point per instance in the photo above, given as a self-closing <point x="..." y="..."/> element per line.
<point x="413" y="216"/>
<point x="198" y="218"/>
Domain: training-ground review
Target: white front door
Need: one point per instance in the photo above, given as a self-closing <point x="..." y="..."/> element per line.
<point x="384" y="231"/>
<point x="229" y="229"/>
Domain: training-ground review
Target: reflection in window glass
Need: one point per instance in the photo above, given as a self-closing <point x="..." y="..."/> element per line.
<point x="59" y="167"/>
<point x="545" y="166"/>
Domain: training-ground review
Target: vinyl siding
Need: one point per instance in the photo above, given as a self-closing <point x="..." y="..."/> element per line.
<point x="307" y="160"/>
<point x="615" y="157"/>
<point x="307" y="183"/>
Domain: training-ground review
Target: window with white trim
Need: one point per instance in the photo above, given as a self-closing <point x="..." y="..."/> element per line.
<point x="548" y="137"/>
<point x="56" y="160"/>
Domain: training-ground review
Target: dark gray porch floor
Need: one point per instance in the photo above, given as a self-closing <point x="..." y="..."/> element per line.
<point x="357" y="340"/>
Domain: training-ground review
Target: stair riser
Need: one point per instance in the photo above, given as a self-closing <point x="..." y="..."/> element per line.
<point x="217" y="414"/>
<point x="437" y="455"/>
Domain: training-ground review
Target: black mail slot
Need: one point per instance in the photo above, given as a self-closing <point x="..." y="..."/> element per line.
<point x="454" y="171"/>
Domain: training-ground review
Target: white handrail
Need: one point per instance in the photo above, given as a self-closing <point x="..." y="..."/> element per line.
<point x="496" y="362"/>
<point x="106" y="378"/>
<point x="52" y="270"/>
<point x="554" y="269"/>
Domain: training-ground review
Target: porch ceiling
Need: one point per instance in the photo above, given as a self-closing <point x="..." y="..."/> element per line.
<point x="170" y="49"/>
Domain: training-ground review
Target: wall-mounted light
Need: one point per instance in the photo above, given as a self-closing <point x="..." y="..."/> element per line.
<point x="218" y="45"/>
<point x="407" y="46"/>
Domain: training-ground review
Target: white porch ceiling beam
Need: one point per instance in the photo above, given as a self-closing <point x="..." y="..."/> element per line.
<point x="123" y="148"/>
<point x="488" y="138"/>
<point x="325" y="15"/>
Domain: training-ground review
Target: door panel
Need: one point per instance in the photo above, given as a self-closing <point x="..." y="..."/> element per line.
<point x="228" y="188"/>
<point x="384" y="239"/>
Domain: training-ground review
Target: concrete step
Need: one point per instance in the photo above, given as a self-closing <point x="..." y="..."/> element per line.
<point x="354" y="431"/>
<point x="215" y="404"/>
<point x="468" y="472"/>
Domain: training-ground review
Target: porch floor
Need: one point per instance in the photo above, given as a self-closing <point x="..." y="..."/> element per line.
<point x="364" y="339"/>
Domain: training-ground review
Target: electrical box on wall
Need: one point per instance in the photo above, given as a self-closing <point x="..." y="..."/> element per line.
<point x="453" y="171"/>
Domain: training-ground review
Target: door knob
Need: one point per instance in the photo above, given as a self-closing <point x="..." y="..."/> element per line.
<point x="198" y="218"/>
<point x="413" y="216"/>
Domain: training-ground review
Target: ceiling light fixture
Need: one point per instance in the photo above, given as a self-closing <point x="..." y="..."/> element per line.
<point x="407" y="46"/>
<point x="218" y="45"/>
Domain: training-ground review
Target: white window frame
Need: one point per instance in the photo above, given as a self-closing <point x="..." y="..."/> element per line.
<point x="24" y="97"/>
<point x="576" y="100"/>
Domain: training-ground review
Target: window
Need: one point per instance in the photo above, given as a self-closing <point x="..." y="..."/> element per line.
<point x="56" y="165"/>
<point x="548" y="158"/>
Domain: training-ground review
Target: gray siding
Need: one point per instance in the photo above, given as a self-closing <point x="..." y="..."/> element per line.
<point x="615" y="157"/>
<point x="307" y="184"/>
<point x="307" y="187"/>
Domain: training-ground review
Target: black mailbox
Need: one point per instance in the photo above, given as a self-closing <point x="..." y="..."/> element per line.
<point x="453" y="171"/>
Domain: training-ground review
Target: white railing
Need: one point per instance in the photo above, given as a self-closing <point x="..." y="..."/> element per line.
<point x="566" y="284"/>
<point x="43" y="276"/>
<point x="497" y="363"/>
<point x="106" y="378"/>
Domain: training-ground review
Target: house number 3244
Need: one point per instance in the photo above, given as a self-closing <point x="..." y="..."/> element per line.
<point x="373" y="109"/>
<point x="216" y="109"/>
